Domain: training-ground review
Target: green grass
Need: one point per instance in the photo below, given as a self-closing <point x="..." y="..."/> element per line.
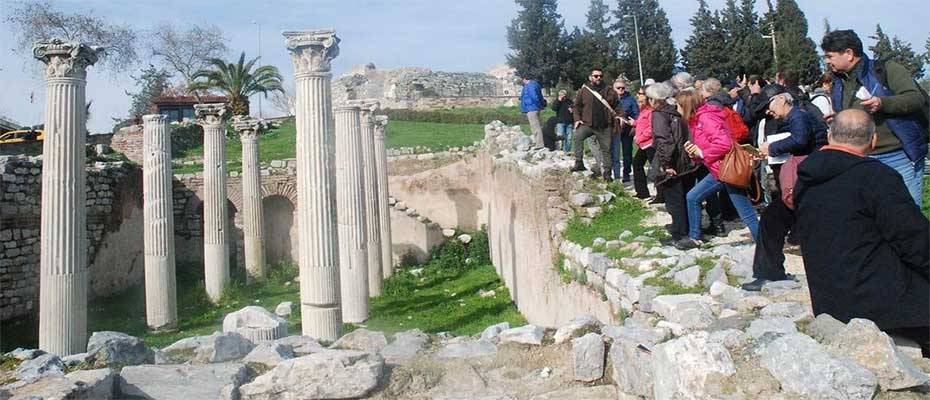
<point x="433" y="135"/>
<point x="628" y="213"/>
<point x="423" y="301"/>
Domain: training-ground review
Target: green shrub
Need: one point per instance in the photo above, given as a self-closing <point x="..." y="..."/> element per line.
<point x="507" y="115"/>
<point x="185" y="137"/>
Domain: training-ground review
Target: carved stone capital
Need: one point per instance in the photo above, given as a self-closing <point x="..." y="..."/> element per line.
<point x="312" y="51"/>
<point x="247" y="127"/>
<point x="209" y="114"/>
<point x="154" y="118"/>
<point x="381" y="122"/>
<point x="65" y="59"/>
<point x="367" y="108"/>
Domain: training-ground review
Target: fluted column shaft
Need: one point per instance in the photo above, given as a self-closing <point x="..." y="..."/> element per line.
<point x="350" y="195"/>
<point x="372" y="200"/>
<point x="253" y="217"/>
<point x="215" y="213"/>
<point x="63" y="243"/>
<point x="387" y="260"/>
<point x="311" y="52"/>
<point x="161" y="310"/>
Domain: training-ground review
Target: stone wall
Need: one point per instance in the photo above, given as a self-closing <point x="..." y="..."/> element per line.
<point x="128" y="141"/>
<point x="422" y="88"/>
<point x="114" y="230"/>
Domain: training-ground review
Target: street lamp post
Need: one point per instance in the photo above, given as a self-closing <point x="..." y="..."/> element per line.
<point x="639" y="57"/>
<point x="774" y="51"/>
<point x="259" y="55"/>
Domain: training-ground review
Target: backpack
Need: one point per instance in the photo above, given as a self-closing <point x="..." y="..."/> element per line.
<point x="923" y="118"/>
<point x="738" y="129"/>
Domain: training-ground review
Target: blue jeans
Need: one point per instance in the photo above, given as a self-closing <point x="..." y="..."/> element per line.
<point x="622" y="142"/>
<point x="565" y="131"/>
<point x="912" y="172"/>
<point x="710" y="185"/>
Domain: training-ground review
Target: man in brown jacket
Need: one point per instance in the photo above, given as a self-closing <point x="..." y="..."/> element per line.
<point x="592" y="118"/>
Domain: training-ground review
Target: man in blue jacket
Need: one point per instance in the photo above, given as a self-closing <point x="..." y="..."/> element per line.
<point x="627" y="110"/>
<point x="808" y="134"/>
<point x="887" y="91"/>
<point x="531" y="103"/>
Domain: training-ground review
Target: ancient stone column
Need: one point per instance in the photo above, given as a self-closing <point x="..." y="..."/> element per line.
<point x="387" y="260"/>
<point x="372" y="200"/>
<point x="350" y="197"/>
<point x="248" y="129"/>
<point x="63" y="248"/>
<point x="161" y="305"/>
<point x="311" y="53"/>
<point x="215" y="246"/>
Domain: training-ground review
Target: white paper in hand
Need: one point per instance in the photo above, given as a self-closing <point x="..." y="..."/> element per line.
<point x="863" y="93"/>
<point x="772" y="139"/>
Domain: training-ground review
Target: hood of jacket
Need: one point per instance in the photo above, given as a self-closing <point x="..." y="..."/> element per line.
<point x="669" y="109"/>
<point x="721" y="99"/>
<point x="825" y="165"/>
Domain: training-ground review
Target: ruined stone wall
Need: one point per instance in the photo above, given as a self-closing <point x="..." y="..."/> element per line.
<point x="114" y="230"/>
<point x="128" y="141"/>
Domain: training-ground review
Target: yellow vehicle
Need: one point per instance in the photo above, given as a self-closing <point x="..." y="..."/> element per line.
<point x="20" y="136"/>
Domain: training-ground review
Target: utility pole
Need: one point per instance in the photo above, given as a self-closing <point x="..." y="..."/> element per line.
<point x="639" y="57"/>
<point x="774" y="44"/>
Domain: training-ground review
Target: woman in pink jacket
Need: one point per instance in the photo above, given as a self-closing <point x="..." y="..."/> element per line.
<point x="710" y="142"/>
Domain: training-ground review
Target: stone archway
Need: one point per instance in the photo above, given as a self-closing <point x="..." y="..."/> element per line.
<point x="280" y="229"/>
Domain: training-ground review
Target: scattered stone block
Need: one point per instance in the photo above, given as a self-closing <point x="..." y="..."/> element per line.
<point x="301" y="345"/>
<point x="118" y="349"/>
<point x="689" y="277"/>
<point x="185" y="381"/>
<point x="467" y="349"/>
<point x="448" y="233"/>
<point x="691" y="366"/>
<point x="465" y="238"/>
<point x="269" y="354"/>
<point x="789" y="309"/>
<point x="94" y="384"/>
<point x="405" y="346"/>
<point x="578" y="326"/>
<point x="824" y="328"/>
<point x="362" y="340"/>
<point x="527" y="334"/>
<point x="283" y="310"/>
<point x="692" y="315"/>
<point x="39" y="367"/>
<point x="862" y="342"/>
<point x="777" y="325"/>
<point x="804" y="367"/>
<point x="492" y="332"/>
<point x="588" y="357"/>
<point x="222" y="347"/>
<point x="255" y="324"/>
<point x="582" y="199"/>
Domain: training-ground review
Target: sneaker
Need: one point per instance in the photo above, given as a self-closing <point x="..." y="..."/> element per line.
<point x="756" y="285"/>
<point x="656" y="200"/>
<point x="688" y="243"/>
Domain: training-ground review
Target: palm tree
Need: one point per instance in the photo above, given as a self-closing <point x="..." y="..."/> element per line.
<point x="238" y="81"/>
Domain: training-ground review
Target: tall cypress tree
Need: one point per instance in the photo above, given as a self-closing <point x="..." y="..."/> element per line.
<point x="594" y="45"/>
<point x="535" y="36"/>
<point x="895" y="49"/>
<point x="705" y="51"/>
<point x="796" y="51"/>
<point x="655" y="36"/>
<point x="749" y="52"/>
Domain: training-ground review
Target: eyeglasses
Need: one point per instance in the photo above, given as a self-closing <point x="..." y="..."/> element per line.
<point x="596" y="76"/>
<point x="620" y="87"/>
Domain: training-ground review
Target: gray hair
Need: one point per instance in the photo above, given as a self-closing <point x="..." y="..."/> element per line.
<point x="659" y="91"/>
<point x="682" y="81"/>
<point x="563" y="91"/>
<point x="711" y="85"/>
<point x="853" y="126"/>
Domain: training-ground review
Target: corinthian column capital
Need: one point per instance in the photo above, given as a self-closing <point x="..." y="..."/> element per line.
<point x="381" y="122"/>
<point x="65" y="59"/>
<point x="247" y="127"/>
<point x="209" y="114"/>
<point x="312" y="51"/>
<point x="367" y="107"/>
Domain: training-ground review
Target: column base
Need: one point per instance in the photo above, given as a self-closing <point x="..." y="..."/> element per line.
<point x="320" y="322"/>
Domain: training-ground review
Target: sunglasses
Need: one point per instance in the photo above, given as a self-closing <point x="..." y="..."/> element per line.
<point x="596" y="76"/>
<point x="620" y="87"/>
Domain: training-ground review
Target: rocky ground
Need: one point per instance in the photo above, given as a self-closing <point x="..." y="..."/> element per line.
<point x="720" y="343"/>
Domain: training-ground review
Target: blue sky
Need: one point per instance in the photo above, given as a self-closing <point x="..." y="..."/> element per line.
<point x="450" y="35"/>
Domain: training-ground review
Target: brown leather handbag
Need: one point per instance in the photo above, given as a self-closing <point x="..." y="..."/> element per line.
<point x="736" y="167"/>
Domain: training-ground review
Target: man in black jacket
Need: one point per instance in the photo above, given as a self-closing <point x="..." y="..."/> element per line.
<point x="863" y="240"/>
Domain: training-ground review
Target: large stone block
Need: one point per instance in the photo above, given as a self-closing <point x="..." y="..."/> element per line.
<point x="804" y="367"/>
<point x="578" y="326"/>
<point x="691" y="367"/>
<point x="256" y="324"/>
<point x="862" y="342"/>
<point x="331" y="374"/>
<point x="116" y="348"/>
<point x="362" y="340"/>
<point x="188" y="381"/>
<point x="588" y="357"/>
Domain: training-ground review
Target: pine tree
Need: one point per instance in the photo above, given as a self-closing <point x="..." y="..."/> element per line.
<point x="796" y="51"/>
<point x="535" y="36"/>
<point x="655" y="36"/>
<point x="705" y="51"/>
<point x="895" y="49"/>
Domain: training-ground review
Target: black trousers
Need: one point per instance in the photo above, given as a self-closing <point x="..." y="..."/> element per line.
<point x="626" y="145"/>
<point x="639" y="170"/>
<point x="674" y="190"/>
<point x="774" y="224"/>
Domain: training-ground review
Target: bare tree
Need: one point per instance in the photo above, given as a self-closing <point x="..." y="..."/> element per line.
<point x="284" y="101"/>
<point x="35" y="20"/>
<point x="187" y="50"/>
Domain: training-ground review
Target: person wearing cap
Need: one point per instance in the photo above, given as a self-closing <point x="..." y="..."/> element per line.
<point x="531" y="103"/>
<point x="808" y="134"/>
